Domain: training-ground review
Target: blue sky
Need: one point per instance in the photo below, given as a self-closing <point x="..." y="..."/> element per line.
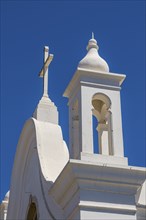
<point x="66" y="26"/>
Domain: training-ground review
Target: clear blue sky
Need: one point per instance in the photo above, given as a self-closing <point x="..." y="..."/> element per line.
<point x="66" y="26"/>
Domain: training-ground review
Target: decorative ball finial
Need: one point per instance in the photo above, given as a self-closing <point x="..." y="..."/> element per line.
<point x="92" y="43"/>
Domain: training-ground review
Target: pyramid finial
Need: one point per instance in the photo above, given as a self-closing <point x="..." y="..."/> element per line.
<point x="92" y="35"/>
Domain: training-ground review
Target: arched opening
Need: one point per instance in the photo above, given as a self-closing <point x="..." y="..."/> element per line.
<point x="95" y="134"/>
<point x="101" y="111"/>
<point x="32" y="212"/>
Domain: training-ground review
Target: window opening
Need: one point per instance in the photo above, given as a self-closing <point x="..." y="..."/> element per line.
<point x="95" y="135"/>
<point x="102" y="133"/>
<point x="32" y="212"/>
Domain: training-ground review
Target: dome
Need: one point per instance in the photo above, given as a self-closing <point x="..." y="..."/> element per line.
<point x="7" y="195"/>
<point x="92" y="60"/>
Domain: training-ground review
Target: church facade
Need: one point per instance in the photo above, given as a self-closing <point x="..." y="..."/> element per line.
<point x="51" y="182"/>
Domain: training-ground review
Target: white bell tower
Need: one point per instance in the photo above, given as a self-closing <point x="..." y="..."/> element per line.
<point x="95" y="92"/>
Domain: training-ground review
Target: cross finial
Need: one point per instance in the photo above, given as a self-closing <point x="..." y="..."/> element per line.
<point x="44" y="71"/>
<point x="92" y="35"/>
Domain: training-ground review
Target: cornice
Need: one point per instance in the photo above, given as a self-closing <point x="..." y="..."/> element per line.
<point x="122" y="179"/>
<point x="102" y="79"/>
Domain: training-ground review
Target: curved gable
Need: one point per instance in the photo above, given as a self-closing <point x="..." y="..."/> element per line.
<point x="40" y="157"/>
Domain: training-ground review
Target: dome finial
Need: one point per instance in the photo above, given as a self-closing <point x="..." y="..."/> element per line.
<point x="92" y="43"/>
<point x="92" y="60"/>
<point x="92" y="35"/>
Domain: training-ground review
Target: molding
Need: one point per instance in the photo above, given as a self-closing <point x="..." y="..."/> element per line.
<point x="94" y="85"/>
<point x="88" y="186"/>
<point x="141" y="206"/>
<point x="128" y="209"/>
<point x="116" y="173"/>
<point x="101" y="78"/>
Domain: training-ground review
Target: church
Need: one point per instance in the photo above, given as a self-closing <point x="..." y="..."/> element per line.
<point x="53" y="181"/>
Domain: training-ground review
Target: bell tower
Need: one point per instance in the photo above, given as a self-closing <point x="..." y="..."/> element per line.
<point x="95" y="92"/>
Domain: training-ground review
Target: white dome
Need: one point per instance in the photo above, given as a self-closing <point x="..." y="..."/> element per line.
<point x="92" y="60"/>
<point x="7" y="195"/>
